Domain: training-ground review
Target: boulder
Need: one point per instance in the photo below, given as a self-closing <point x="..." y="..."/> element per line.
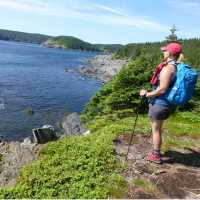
<point x="71" y="124"/>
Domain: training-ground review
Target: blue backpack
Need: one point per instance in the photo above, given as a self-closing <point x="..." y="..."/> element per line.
<point x="183" y="88"/>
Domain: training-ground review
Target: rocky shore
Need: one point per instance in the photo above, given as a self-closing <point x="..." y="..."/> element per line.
<point x="15" y="154"/>
<point x="102" y="67"/>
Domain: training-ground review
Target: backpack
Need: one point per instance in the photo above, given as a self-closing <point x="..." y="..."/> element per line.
<point x="183" y="87"/>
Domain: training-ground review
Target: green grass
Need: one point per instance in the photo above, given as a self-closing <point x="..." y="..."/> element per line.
<point x="75" y="167"/>
<point x="86" y="167"/>
<point x="118" y="187"/>
<point x="147" y="186"/>
<point x="184" y="124"/>
<point x="140" y="182"/>
<point x="178" y="143"/>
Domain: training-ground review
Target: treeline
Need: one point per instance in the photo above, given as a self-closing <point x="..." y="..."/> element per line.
<point x="108" y="47"/>
<point x="191" y="50"/>
<point x="70" y="42"/>
<point x="23" y="37"/>
<point x="122" y="92"/>
<point x="66" y="42"/>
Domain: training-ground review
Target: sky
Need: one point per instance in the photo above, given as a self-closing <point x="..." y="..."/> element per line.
<point x="103" y="21"/>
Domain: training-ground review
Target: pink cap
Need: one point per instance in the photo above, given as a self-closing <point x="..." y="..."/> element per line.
<point x="174" y="48"/>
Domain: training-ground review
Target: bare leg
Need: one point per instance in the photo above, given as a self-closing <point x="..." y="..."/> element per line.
<point x="156" y="126"/>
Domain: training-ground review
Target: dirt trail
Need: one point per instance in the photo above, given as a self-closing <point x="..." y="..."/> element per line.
<point x="177" y="177"/>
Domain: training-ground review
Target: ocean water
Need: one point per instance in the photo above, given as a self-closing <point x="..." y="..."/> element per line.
<point x="35" y="77"/>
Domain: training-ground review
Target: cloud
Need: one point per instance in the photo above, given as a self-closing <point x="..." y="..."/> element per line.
<point x="24" y="5"/>
<point x="90" y="11"/>
<point x="187" y="6"/>
<point x="130" y="21"/>
<point x="109" y="9"/>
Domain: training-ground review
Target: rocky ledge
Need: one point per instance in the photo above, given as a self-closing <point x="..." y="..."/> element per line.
<point x="102" y="67"/>
<point x="14" y="154"/>
<point x="177" y="178"/>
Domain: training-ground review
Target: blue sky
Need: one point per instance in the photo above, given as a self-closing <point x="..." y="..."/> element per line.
<point x="103" y="21"/>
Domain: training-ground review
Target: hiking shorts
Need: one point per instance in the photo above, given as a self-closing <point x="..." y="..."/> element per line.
<point x="159" y="112"/>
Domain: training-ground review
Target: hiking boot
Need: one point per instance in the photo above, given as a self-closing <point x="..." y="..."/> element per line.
<point x="152" y="157"/>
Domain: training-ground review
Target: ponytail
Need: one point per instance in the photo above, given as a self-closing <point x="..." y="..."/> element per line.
<point x="180" y="58"/>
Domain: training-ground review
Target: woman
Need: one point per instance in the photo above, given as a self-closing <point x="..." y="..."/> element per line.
<point x="159" y="108"/>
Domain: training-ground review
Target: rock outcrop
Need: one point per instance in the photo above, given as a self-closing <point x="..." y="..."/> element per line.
<point x="71" y="124"/>
<point x="177" y="178"/>
<point x="102" y="67"/>
<point x="14" y="155"/>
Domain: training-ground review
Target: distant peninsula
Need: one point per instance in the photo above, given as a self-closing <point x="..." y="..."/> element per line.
<point x="64" y="42"/>
<point x="17" y="36"/>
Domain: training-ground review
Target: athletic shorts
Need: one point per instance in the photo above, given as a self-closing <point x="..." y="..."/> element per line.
<point x="159" y="112"/>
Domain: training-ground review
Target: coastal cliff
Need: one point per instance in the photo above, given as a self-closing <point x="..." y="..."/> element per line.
<point x="94" y="166"/>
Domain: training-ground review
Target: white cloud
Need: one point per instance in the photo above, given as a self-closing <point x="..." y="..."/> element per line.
<point x="89" y="11"/>
<point x="187" y="6"/>
<point x="24" y="5"/>
<point x="108" y="9"/>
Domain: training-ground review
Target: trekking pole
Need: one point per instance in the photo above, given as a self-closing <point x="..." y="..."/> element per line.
<point x="137" y="113"/>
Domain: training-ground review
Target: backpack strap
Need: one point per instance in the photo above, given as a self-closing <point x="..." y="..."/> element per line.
<point x="172" y="62"/>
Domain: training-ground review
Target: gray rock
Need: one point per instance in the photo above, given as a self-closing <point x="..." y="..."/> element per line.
<point x="71" y="124"/>
<point x="29" y="143"/>
<point x="15" y="155"/>
<point x="27" y="140"/>
<point x="102" y="67"/>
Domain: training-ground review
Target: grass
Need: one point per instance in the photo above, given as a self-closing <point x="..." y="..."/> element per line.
<point x="178" y="143"/>
<point x="118" y="187"/>
<point x="75" y="167"/>
<point x="147" y="186"/>
<point x="184" y="124"/>
<point x="86" y="167"/>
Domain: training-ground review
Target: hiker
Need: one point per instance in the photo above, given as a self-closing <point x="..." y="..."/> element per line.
<point x="159" y="108"/>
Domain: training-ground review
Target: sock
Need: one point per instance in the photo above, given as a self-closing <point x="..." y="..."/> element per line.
<point x="156" y="151"/>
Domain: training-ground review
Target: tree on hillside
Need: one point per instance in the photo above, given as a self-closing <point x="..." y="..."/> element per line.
<point x="172" y="37"/>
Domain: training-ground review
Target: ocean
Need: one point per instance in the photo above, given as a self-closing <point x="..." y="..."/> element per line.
<point x="43" y="80"/>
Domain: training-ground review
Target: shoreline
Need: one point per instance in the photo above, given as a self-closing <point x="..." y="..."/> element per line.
<point x="102" y="67"/>
<point x="16" y="154"/>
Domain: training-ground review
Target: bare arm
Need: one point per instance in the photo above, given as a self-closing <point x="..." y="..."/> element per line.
<point x="165" y="78"/>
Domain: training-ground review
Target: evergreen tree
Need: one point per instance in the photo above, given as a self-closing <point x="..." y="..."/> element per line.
<point x="172" y="37"/>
